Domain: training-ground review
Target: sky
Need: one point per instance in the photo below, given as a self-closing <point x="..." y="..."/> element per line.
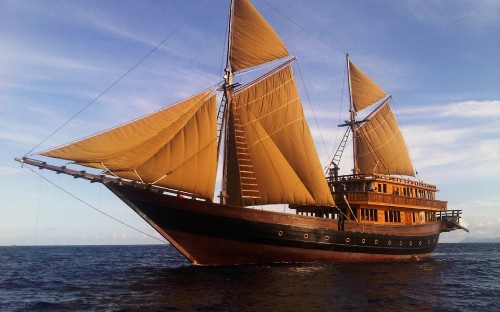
<point x="440" y="60"/>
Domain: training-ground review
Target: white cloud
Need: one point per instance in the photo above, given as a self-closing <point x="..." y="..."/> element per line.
<point x="474" y="13"/>
<point x="464" y="109"/>
<point x="488" y="109"/>
<point x="4" y="170"/>
<point x="24" y="138"/>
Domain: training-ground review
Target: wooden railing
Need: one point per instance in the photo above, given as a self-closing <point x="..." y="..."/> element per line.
<point x="373" y="177"/>
<point x="395" y="200"/>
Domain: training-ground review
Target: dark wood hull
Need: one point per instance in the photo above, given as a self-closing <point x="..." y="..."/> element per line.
<point x="214" y="234"/>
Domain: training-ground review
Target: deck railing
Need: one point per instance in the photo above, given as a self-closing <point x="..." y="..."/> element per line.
<point x="398" y="200"/>
<point x="454" y="214"/>
<point x="356" y="177"/>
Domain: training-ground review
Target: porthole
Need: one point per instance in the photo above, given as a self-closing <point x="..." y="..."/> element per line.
<point x="327" y="237"/>
<point x="429" y="242"/>
<point x="389" y="243"/>
<point x="376" y="241"/>
<point x="363" y="240"/>
<point x="420" y="243"/>
<point x="400" y="243"/>
<point x="280" y="233"/>
<point x="347" y="240"/>
<point x="306" y="236"/>
<point x="411" y="243"/>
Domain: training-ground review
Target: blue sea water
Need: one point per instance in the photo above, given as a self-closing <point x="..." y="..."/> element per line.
<point x="459" y="277"/>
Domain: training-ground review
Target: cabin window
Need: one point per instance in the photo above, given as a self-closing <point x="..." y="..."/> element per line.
<point x="382" y="187"/>
<point x="368" y="214"/>
<point x="430" y="216"/>
<point x="392" y="216"/>
<point x="407" y="191"/>
<point x="422" y="217"/>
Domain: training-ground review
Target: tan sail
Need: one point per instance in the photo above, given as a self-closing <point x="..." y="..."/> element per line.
<point x="364" y="90"/>
<point x="284" y="160"/>
<point x="380" y="145"/>
<point x="253" y="40"/>
<point x="175" y="147"/>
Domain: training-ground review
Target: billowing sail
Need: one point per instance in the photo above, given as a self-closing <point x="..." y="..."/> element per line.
<point x="175" y="147"/>
<point x="277" y="150"/>
<point x="253" y="40"/>
<point x="380" y="145"/>
<point x="364" y="91"/>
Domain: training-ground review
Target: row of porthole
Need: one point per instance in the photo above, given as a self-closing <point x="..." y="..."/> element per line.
<point x="306" y="236"/>
<point x="348" y="240"/>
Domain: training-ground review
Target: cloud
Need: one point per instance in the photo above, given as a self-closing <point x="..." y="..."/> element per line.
<point x="477" y="214"/>
<point x="24" y="138"/>
<point x="474" y="13"/>
<point x="464" y="109"/>
<point x="4" y="170"/>
<point x="446" y="142"/>
<point x="488" y="109"/>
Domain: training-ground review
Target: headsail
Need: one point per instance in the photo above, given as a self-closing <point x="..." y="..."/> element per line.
<point x="253" y="40"/>
<point x="175" y="147"/>
<point x="277" y="138"/>
<point x="380" y="145"/>
<point x="364" y="90"/>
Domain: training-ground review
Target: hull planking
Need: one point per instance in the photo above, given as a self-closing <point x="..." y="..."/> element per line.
<point x="214" y="234"/>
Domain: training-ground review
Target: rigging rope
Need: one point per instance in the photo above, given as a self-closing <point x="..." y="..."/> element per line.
<point x="304" y="29"/>
<point x="96" y="209"/>
<point x="334" y="151"/>
<point x="120" y="78"/>
<point x="312" y="110"/>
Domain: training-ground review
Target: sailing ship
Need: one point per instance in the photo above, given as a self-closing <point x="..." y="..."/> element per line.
<point x="164" y="167"/>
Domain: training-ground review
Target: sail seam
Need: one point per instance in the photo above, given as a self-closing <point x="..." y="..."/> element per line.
<point x="209" y="92"/>
<point x="269" y="135"/>
<point x="269" y="92"/>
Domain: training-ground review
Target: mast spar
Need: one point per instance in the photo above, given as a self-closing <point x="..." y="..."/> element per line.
<point x="228" y="80"/>
<point x="352" y="121"/>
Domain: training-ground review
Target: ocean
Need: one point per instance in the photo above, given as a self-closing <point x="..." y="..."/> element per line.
<point x="459" y="277"/>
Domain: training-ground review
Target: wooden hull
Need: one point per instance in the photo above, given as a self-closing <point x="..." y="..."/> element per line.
<point x="214" y="234"/>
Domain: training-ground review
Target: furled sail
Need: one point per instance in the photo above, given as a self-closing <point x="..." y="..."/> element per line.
<point x="253" y="40"/>
<point x="277" y="139"/>
<point x="380" y="145"/>
<point x="364" y="90"/>
<point x="175" y="147"/>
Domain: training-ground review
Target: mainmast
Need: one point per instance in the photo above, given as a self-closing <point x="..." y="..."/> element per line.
<point x="352" y="121"/>
<point x="227" y="98"/>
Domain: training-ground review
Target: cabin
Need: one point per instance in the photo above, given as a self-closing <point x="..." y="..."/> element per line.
<point x="379" y="199"/>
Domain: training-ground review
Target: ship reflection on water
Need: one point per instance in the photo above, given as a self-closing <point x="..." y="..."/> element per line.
<point x="298" y="287"/>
